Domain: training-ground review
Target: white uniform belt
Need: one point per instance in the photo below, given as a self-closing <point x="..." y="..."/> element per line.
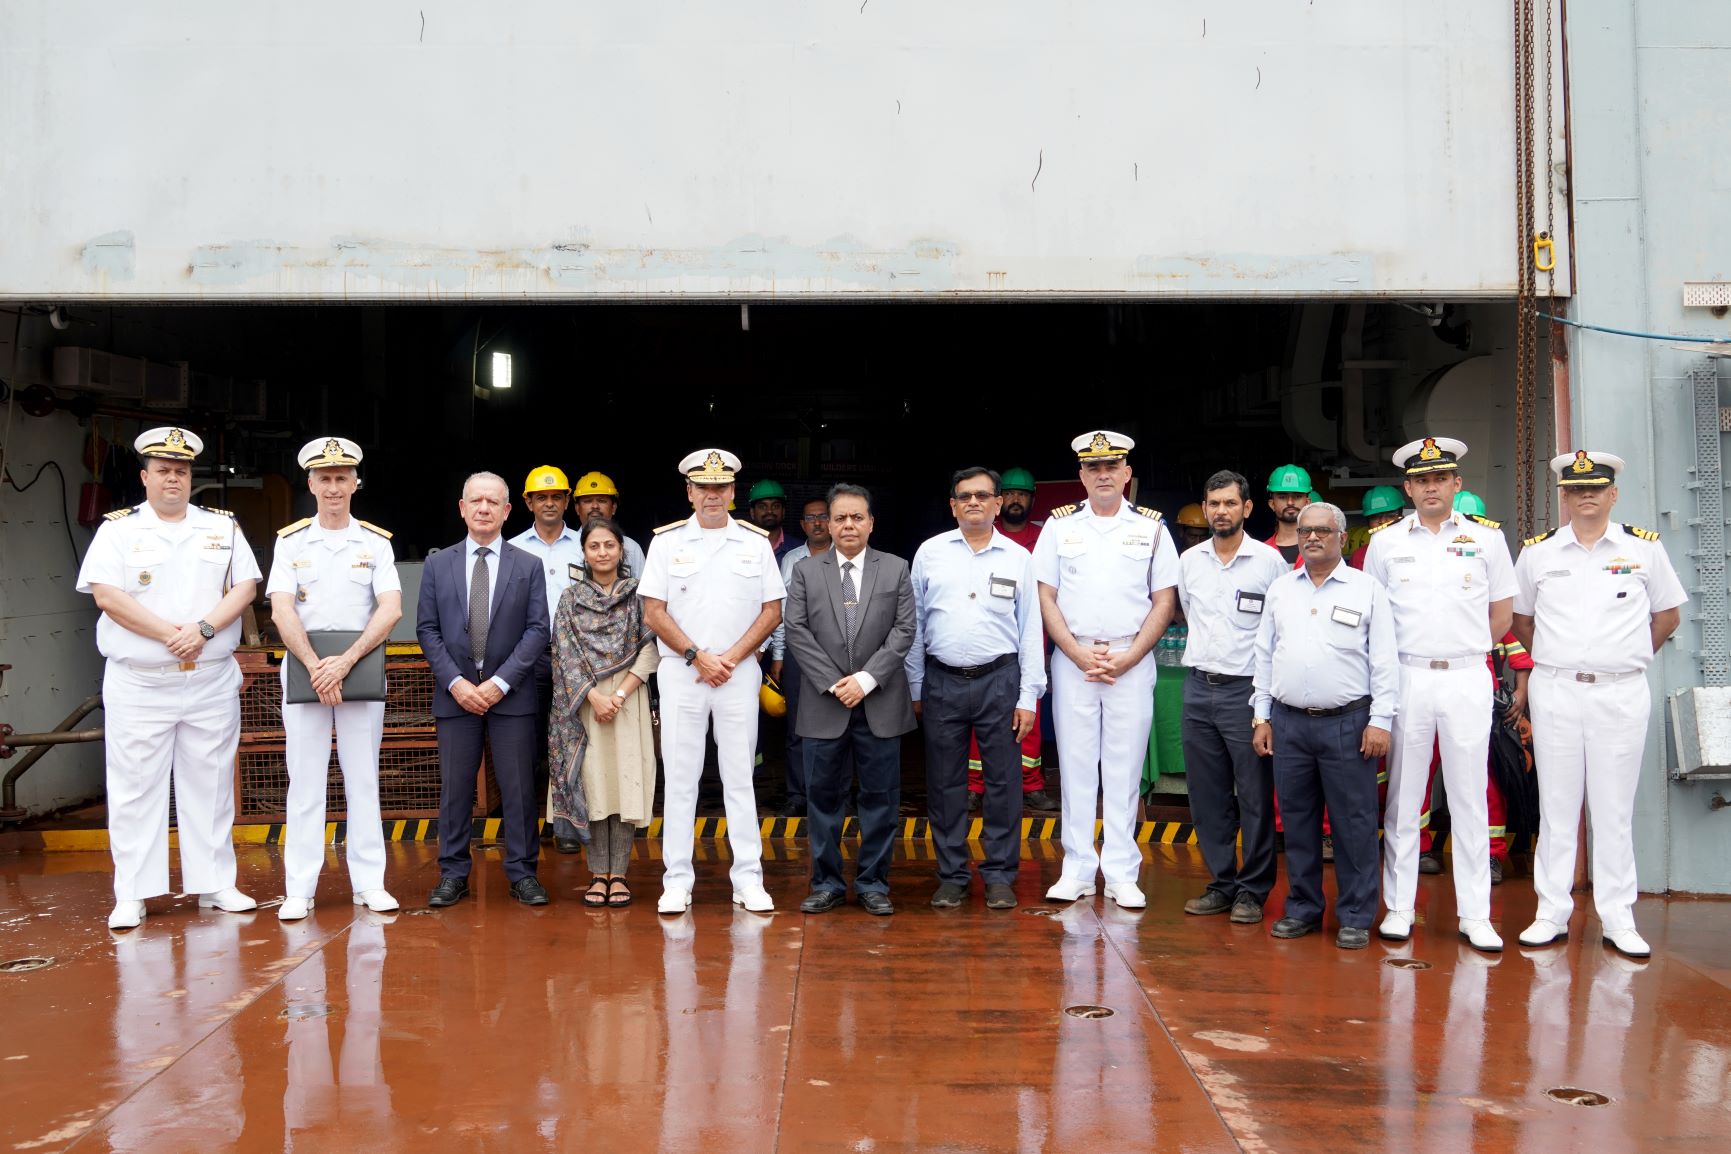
<point x="174" y="666"/>
<point x="1108" y="642"/>
<point x="1589" y="678"/>
<point x="1470" y="661"/>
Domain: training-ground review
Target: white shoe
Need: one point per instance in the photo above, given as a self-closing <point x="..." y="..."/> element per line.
<point x="1066" y="890"/>
<point x="294" y="909"/>
<point x="378" y="901"/>
<point x="1482" y="936"/>
<point x="673" y="901"/>
<point x="1127" y="895"/>
<point x="755" y="899"/>
<point x="1544" y="933"/>
<point x="230" y="900"/>
<point x="1628" y="943"/>
<point x="126" y="915"/>
<point x="1396" y="927"/>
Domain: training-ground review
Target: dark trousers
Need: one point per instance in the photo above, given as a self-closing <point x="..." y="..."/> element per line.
<point x="797" y="769"/>
<point x="953" y="707"/>
<point x="1317" y="763"/>
<point x="878" y="761"/>
<point x="1231" y="789"/>
<point x="512" y="741"/>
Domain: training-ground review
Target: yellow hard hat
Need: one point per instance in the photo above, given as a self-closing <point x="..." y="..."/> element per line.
<point x="1192" y="516"/>
<point x="595" y="485"/>
<point x="769" y="696"/>
<point x="546" y="479"/>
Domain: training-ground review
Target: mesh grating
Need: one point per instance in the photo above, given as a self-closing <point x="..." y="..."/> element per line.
<point x="408" y="783"/>
<point x="408" y="698"/>
<point x="1710" y="530"/>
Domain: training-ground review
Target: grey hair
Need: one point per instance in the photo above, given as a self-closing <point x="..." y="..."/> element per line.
<point x="485" y="476"/>
<point x="1334" y="511"/>
<point x="844" y="489"/>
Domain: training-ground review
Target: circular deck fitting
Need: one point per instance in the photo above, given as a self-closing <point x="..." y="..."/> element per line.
<point x="24" y="965"/>
<point x="1089" y="1011"/>
<point x="1039" y="912"/>
<point x="1406" y="963"/>
<point x="304" y="1010"/>
<point x="1575" y="1096"/>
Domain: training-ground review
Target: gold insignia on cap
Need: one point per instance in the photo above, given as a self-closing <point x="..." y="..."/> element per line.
<point x="1583" y="463"/>
<point x="1099" y="444"/>
<point x="333" y="448"/>
<point x="1430" y="452"/>
<point x="713" y="462"/>
<point x="175" y="439"/>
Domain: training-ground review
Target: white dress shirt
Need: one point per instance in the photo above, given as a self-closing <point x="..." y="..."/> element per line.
<point x="866" y="681"/>
<point x="1592" y="609"/>
<point x="1106" y="569"/>
<point x="970" y="608"/>
<point x="1441" y="585"/>
<point x="1319" y="647"/>
<point x="335" y="575"/>
<point x="715" y="582"/>
<point x="557" y="560"/>
<point x="1224" y="603"/>
<point x="470" y="545"/>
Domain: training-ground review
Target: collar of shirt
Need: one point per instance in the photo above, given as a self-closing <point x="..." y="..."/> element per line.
<point x="497" y="545"/>
<point x="998" y="541"/>
<point x="530" y="538"/>
<point x="1453" y="522"/>
<point x="858" y="559"/>
<point x="1613" y="533"/>
<point x="694" y="530"/>
<point x="350" y="532"/>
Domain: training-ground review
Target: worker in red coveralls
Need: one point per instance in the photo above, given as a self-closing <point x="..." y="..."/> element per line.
<point x="1015" y="521"/>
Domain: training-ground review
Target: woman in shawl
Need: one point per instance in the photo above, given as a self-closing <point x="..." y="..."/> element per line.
<point x="600" y="747"/>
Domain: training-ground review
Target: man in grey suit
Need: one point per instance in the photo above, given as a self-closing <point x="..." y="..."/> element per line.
<point x="850" y="622"/>
<point x="482" y="624"/>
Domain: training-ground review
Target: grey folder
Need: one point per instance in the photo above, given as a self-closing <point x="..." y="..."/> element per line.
<point x="365" y="682"/>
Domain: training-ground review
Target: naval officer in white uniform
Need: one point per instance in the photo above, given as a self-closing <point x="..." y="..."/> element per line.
<point x="1108" y="575"/>
<point x="712" y="595"/>
<point x="172" y="580"/>
<point x="333" y="572"/>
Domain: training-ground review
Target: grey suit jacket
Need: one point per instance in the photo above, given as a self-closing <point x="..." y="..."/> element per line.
<point x="884" y="634"/>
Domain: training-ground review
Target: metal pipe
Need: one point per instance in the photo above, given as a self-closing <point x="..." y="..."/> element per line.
<point x="62" y="734"/>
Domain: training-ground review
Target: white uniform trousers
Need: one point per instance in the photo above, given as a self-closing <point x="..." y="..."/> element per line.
<point x="187" y="725"/>
<point x="360" y="726"/>
<point x="1102" y="735"/>
<point x="1587" y="738"/>
<point x="687" y="705"/>
<point x="1450" y="709"/>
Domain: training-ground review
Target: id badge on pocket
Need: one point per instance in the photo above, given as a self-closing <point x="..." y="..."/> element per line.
<point x="1004" y="587"/>
<point x="1346" y="616"/>
<point x="1249" y="602"/>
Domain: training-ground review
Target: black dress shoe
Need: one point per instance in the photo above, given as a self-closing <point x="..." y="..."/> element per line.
<point x="949" y="895"/>
<point x="1295" y="928"/>
<point x="1352" y="938"/>
<point x="567" y="845"/>
<point x="529" y="892"/>
<point x="1000" y="897"/>
<point x="1496" y="871"/>
<point x="975" y="800"/>
<point x="1211" y="902"/>
<point x="1430" y="863"/>
<point x="822" y="901"/>
<point x="1247" y="911"/>
<point x="793" y="807"/>
<point x="448" y="892"/>
<point x="873" y="902"/>
<point x="1038" y="799"/>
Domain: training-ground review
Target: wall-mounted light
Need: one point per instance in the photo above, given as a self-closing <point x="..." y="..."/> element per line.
<point x="501" y="370"/>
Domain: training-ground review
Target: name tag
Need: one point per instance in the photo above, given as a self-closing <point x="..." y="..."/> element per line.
<point x="303" y="563"/>
<point x="1402" y="560"/>
<point x="1249" y="602"/>
<point x="683" y="559"/>
<point x="1138" y="539"/>
<point x="1003" y="587"/>
<point x="1559" y="573"/>
<point x="574" y="572"/>
<point x="1346" y="616"/>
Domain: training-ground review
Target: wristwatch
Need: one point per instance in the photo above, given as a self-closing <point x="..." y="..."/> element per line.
<point x="620" y="694"/>
<point x="690" y="654"/>
<point x="206" y="630"/>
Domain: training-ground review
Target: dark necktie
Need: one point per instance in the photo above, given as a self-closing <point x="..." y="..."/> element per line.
<point x="849" y="605"/>
<point x="479" y="599"/>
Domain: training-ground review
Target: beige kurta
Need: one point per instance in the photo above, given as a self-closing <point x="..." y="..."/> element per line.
<point x="619" y="766"/>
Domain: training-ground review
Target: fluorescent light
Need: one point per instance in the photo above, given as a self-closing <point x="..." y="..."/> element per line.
<point x="501" y="370"/>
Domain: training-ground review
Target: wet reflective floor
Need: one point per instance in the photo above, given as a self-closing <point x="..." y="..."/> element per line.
<point x="493" y="1027"/>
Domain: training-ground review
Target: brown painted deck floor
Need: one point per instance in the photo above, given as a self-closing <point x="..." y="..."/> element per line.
<point x="490" y="1027"/>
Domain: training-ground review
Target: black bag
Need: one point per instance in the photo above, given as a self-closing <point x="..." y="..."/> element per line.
<point x="365" y="682"/>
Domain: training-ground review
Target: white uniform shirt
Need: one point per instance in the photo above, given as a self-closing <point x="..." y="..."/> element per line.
<point x="715" y="582"/>
<point x="1224" y="603"/>
<point x="971" y="608"/>
<point x="556" y="561"/>
<point x="1106" y="569"/>
<point x="1592" y="608"/>
<point x="1441" y="584"/>
<point x="335" y="575"/>
<point x="178" y="570"/>
<point x="1319" y="647"/>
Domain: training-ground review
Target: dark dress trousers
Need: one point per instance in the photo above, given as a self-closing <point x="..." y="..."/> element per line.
<point x="517" y="635"/>
<point x="872" y="730"/>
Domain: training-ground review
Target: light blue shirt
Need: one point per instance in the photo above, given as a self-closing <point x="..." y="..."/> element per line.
<point x="491" y="560"/>
<point x="556" y="561"/>
<point x="960" y="621"/>
<point x="778" y="639"/>
<point x="1321" y="646"/>
<point x="1224" y="604"/>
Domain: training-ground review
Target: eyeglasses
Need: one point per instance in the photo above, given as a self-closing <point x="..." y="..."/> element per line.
<point x="1325" y="531"/>
<point x="815" y="518"/>
<point x="980" y="495"/>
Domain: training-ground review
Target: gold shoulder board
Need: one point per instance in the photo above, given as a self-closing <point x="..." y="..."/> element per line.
<point x="1063" y="511"/>
<point x="1643" y="534"/>
<point x="294" y="527"/>
<point x="385" y="533"/>
<point x="1542" y="536"/>
<point x="218" y="512"/>
<point x="119" y="513"/>
<point x="671" y="525"/>
<point x="1151" y="514"/>
<point x="1485" y="521"/>
<point x="1381" y="527"/>
<point x="758" y="529"/>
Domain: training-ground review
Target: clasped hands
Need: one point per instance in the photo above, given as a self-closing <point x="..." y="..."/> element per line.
<point x="476" y="699"/>
<point x="1102" y="665"/>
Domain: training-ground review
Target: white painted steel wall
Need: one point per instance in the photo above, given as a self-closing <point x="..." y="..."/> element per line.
<point x="434" y="150"/>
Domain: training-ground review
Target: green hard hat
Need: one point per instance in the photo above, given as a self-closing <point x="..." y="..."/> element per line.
<point x="1314" y="497"/>
<point x="1289" y="479"/>
<point x="1383" y="499"/>
<point x="1466" y="502"/>
<point x="1019" y="479"/>
<point x="765" y="490"/>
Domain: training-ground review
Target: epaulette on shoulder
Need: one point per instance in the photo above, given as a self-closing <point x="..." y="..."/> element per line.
<point x="294" y="527"/>
<point x="1637" y="531"/>
<point x="119" y="513"/>
<point x="385" y="533"/>
<point x="1063" y="511"/>
<point x="218" y="512"/>
<point x="758" y="529"/>
<point x="1485" y="521"/>
<point x="659" y="529"/>
<point x="1542" y="536"/>
<point x="1151" y="514"/>
<point x="1375" y="529"/>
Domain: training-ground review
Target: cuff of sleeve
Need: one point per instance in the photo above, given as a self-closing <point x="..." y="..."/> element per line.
<point x="504" y="686"/>
<point x="866" y="681"/>
<point x="1028" y="701"/>
<point x="451" y="687"/>
<point x="1382" y="722"/>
